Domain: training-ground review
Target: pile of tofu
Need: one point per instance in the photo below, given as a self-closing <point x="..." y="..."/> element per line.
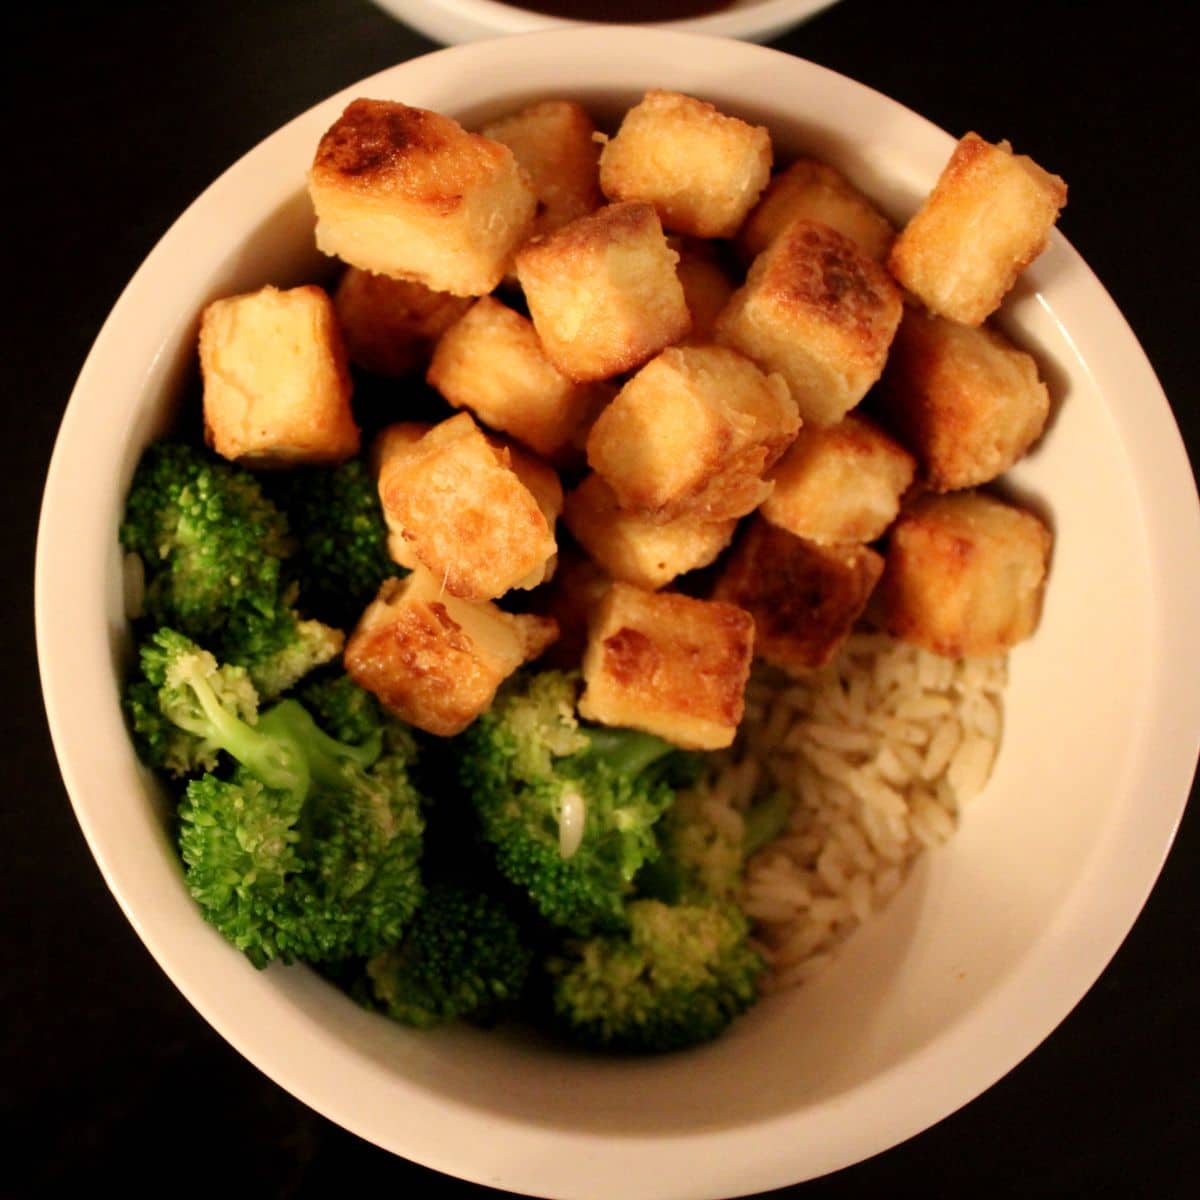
<point x="757" y="411"/>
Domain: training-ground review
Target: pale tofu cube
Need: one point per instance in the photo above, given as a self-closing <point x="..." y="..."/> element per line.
<point x="669" y="665"/>
<point x="436" y="661"/>
<point x="603" y="293"/>
<point x="963" y="398"/>
<point x="554" y="141"/>
<point x="965" y="574"/>
<point x="276" y="384"/>
<point x="693" y="433"/>
<point x="839" y="484"/>
<point x="988" y="217"/>
<point x="491" y="361"/>
<point x="804" y="598"/>
<point x="819" y="311"/>
<point x="702" y="170"/>
<point x="408" y="192"/>
<point x="637" y="550"/>
<point x="706" y="289"/>
<point x="390" y="325"/>
<point x="810" y="190"/>
<point x="457" y="499"/>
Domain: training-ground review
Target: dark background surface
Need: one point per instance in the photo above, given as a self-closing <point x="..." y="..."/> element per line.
<point x="117" y="116"/>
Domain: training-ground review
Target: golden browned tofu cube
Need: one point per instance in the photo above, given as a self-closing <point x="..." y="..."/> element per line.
<point x="693" y="433"/>
<point x="963" y="398"/>
<point x="669" y="665"/>
<point x="390" y="325"/>
<point x="637" y="550"/>
<point x="839" y="484"/>
<point x="706" y="288"/>
<point x="436" y="661"/>
<point x="702" y="170"/>
<point x="804" y="598"/>
<point x="965" y="574"/>
<point x="819" y="311"/>
<point x="456" y="501"/>
<point x="407" y="192"/>
<point x="988" y="217"/>
<point x="491" y="361"/>
<point x="276" y="385"/>
<point x="602" y="291"/>
<point x="814" y="191"/>
<point x="553" y="140"/>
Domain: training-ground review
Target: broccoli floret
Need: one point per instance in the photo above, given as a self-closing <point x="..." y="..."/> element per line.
<point x="462" y="957"/>
<point x="309" y="849"/>
<point x="337" y="521"/>
<point x="213" y="547"/>
<point x="569" y="809"/>
<point x="704" y="847"/>
<point x="677" y="977"/>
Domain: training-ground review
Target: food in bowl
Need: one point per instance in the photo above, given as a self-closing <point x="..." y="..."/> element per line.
<point x="374" y="779"/>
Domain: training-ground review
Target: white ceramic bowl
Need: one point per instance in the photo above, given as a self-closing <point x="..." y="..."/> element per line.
<point x="992" y="940"/>
<point x="454" y="21"/>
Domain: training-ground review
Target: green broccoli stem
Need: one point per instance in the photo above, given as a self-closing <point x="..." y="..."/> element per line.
<point x="628" y="751"/>
<point x="325" y="757"/>
<point x="765" y="821"/>
<point x="276" y="761"/>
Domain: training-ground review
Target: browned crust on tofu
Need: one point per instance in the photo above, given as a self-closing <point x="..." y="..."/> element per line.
<point x="381" y="146"/>
<point x="965" y="399"/>
<point x="457" y="499"/>
<point x="423" y="666"/>
<point x="804" y="598"/>
<point x="669" y="664"/>
<point x="390" y="325"/>
<point x="965" y="574"/>
<point x="821" y="270"/>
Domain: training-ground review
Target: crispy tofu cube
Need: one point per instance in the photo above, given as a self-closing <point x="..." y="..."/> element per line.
<point x="669" y="665"/>
<point x="603" y="293"/>
<point x="491" y="361"/>
<point x="965" y="574"/>
<point x="458" y="501"/>
<point x="963" y="398"/>
<point x="634" y="549"/>
<point x="436" y="661"/>
<point x="276" y="385"/>
<point x="693" y="433"/>
<point x="819" y="311"/>
<point x="407" y="192"/>
<point x="804" y="598"/>
<point x="988" y="217"/>
<point x="553" y="140"/>
<point x="390" y="325"/>
<point x="840" y="484"/>
<point x="702" y="170"/>
<point x="706" y="288"/>
<point x="814" y="191"/>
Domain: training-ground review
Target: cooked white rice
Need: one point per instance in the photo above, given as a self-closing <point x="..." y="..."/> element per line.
<point x="881" y="750"/>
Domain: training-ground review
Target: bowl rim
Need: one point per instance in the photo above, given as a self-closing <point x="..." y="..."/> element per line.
<point x="758" y="19"/>
<point x="900" y="1102"/>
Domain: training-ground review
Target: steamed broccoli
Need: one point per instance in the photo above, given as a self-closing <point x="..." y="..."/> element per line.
<point x="704" y="847"/>
<point x="309" y="848"/>
<point x="569" y="809"/>
<point x="214" y="547"/>
<point x="677" y="977"/>
<point x="337" y="521"/>
<point x="461" y="957"/>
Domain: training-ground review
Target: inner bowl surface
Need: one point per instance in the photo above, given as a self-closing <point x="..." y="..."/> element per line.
<point x="992" y="940"/>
